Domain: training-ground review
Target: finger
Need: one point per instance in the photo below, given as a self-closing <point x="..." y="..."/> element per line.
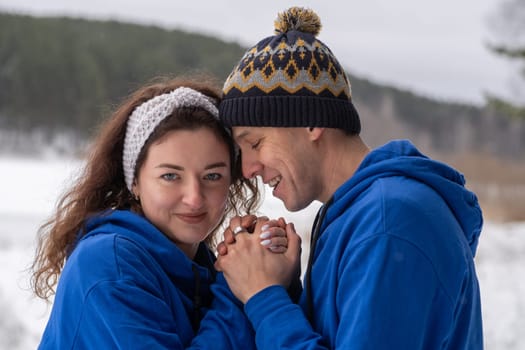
<point x="270" y="226"/>
<point x="238" y="229"/>
<point x="263" y="218"/>
<point x="235" y="222"/>
<point x="248" y="222"/>
<point x="258" y="223"/>
<point x="275" y="242"/>
<point x="275" y="231"/>
<point x="222" y="249"/>
<point x="242" y="224"/>
<point x="278" y="249"/>
<point x="261" y="221"/>
<point x="270" y="223"/>
<point x="276" y="245"/>
<point x="273" y="238"/>
<point x="229" y="237"/>
<point x="282" y="222"/>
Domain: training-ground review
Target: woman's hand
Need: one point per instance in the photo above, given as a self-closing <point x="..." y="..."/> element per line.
<point x="250" y="268"/>
<point x="272" y="233"/>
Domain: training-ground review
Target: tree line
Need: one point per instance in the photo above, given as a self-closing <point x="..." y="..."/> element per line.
<point x="65" y="74"/>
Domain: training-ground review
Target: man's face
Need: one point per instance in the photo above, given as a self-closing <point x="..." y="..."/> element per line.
<point x="282" y="158"/>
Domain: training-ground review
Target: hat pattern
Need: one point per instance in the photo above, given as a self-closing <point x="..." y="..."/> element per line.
<point x="290" y="79"/>
<point x="287" y="67"/>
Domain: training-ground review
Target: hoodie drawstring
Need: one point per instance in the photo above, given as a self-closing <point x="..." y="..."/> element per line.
<point x="313" y="242"/>
<point x="197" y="300"/>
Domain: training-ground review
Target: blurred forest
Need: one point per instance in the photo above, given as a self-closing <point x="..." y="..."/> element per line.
<point x="60" y="76"/>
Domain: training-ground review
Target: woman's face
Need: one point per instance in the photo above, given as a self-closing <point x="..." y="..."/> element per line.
<point x="183" y="185"/>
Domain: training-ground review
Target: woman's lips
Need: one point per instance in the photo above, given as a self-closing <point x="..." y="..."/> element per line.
<point x="191" y="218"/>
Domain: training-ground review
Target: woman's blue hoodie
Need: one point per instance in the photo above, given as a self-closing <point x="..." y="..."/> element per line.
<point x="127" y="286"/>
<point x="393" y="264"/>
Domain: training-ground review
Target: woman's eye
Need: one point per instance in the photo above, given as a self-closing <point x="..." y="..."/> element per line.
<point x="256" y="144"/>
<point x="170" y="176"/>
<point x="213" y="176"/>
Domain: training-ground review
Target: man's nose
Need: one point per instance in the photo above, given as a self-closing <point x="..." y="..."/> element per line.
<point x="251" y="166"/>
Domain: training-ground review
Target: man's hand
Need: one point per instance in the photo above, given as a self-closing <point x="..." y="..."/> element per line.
<point x="272" y="233"/>
<point x="249" y="267"/>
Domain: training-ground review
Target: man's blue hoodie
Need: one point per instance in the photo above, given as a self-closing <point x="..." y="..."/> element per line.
<point x="127" y="286"/>
<point x="392" y="267"/>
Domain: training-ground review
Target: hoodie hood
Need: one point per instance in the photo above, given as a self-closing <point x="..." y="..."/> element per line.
<point x="401" y="158"/>
<point x="180" y="268"/>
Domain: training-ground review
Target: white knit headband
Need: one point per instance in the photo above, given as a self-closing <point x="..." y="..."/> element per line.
<point x="146" y="117"/>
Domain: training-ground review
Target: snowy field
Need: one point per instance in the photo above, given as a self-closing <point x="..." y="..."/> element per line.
<point x="30" y="187"/>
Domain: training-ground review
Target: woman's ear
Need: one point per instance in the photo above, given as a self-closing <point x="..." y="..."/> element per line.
<point x="134" y="190"/>
<point x="315" y="133"/>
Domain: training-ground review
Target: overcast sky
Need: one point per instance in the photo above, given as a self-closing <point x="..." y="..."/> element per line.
<point x="434" y="48"/>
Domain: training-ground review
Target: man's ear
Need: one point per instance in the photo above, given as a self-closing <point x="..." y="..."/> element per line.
<point x="314" y="134"/>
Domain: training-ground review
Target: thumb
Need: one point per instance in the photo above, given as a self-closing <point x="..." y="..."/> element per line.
<point x="294" y="241"/>
<point x="217" y="265"/>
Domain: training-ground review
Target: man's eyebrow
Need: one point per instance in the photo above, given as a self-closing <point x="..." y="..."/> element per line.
<point x="241" y="135"/>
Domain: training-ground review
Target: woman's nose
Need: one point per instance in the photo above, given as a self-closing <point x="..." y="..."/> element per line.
<point x="193" y="194"/>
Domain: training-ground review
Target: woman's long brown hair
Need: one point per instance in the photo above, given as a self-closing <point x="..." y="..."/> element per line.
<point x="101" y="186"/>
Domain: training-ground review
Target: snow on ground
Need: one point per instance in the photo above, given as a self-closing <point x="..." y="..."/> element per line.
<point x="30" y="187"/>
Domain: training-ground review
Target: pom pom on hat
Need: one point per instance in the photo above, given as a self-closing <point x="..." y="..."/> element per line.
<point x="290" y="79"/>
<point x="299" y="19"/>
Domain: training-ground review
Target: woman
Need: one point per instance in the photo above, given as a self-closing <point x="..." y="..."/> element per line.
<point x="131" y="240"/>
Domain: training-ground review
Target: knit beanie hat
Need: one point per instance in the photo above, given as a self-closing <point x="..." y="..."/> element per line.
<point x="290" y="79"/>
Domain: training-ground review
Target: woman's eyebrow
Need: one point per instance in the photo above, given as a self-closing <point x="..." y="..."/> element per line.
<point x="215" y="165"/>
<point x="181" y="168"/>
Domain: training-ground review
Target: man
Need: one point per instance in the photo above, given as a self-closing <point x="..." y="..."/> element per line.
<point x="391" y="258"/>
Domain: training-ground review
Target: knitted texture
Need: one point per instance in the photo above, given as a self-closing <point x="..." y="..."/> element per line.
<point x="291" y="79"/>
<point x="146" y="117"/>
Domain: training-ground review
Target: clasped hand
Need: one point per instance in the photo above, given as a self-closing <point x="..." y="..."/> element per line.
<point x="257" y="253"/>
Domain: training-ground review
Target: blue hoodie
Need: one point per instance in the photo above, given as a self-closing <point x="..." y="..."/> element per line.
<point x="392" y="267"/>
<point x="127" y="286"/>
